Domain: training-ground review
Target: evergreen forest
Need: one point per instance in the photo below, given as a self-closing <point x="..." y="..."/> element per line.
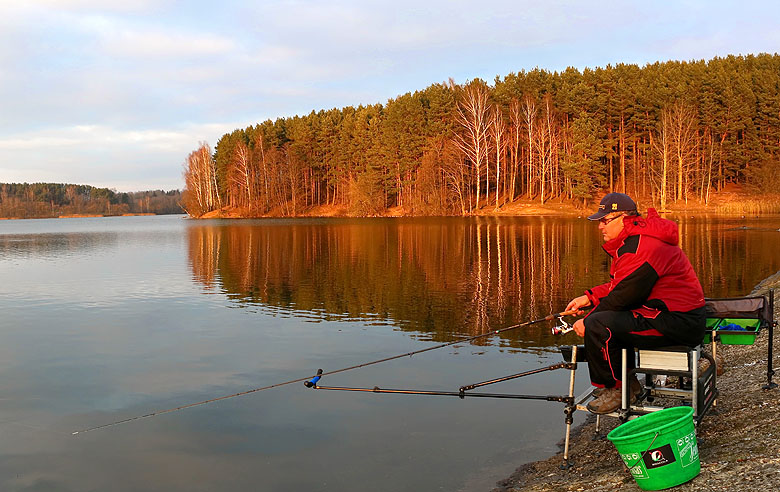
<point x="667" y="133"/>
<point x="38" y="200"/>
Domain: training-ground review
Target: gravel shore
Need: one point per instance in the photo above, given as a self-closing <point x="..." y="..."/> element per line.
<point x="739" y="441"/>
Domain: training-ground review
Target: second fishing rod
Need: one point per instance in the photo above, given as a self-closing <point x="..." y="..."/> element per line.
<point x="311" y="382"/>
<point x="463" y="391"/>
<point x="550" y="317"/>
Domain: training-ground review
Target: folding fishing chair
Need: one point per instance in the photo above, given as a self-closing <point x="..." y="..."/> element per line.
<point x="729" y="321"/>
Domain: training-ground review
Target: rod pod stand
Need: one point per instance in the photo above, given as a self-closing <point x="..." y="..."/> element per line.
<point x="569" y="410"/>
<point x="463" y="392"/>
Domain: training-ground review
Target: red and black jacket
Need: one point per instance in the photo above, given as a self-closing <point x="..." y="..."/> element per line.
<point x="650" y="274"/>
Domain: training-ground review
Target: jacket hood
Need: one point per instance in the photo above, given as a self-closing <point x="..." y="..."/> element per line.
<point x="653" y="225"/>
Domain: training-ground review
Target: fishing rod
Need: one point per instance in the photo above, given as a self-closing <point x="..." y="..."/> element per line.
<point x="462" y="392"/>
<point x="568" y="400"/>
<point x="309" y="381"/>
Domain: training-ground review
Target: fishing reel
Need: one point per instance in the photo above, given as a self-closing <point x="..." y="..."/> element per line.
<point x="563" y="328"/>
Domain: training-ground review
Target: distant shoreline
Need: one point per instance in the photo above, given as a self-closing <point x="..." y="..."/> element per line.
<point x="723" y="204"/>
<point x="78" y="216"/>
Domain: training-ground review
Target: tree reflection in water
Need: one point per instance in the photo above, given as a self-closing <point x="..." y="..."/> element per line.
<point x="443" y="276"/>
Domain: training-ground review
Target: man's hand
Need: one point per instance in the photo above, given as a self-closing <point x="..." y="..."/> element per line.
<point x="577" y="303"/>
<point x="579" y="327"/>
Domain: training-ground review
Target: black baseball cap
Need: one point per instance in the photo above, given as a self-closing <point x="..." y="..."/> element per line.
<point x="614" y="202"/>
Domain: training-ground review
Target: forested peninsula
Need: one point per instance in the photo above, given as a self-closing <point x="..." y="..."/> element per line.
<point x="45" y="200"/>
<point x="673" y="134"/>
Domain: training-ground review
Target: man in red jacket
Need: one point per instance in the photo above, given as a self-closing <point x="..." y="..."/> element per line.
<point x="653" y="298"/>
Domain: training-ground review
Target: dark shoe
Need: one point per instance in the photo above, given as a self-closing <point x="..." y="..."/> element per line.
<point x="720" y="364"/>
<point x="636" y="388"/>
<point x="608" y="401"/>
<point x="704" y="364"/>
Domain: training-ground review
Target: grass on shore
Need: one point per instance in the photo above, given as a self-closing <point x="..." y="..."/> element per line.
<point x="725" y="203"/>
<point x="766" y="205"/>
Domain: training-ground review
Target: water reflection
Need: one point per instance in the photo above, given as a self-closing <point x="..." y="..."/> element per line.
<point x="52" y="246"/>
<point x="444" y="276"/>
<point x="731" y="255"/>
<point x="56" y="239"/>
<point x="432" y="276"/>
<point x="106" y="319"/>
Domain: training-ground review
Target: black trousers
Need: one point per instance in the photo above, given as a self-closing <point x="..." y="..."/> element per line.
<point x="608" y="332"/>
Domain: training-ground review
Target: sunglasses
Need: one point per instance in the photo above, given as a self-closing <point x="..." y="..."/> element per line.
<point x="608" y="220"/>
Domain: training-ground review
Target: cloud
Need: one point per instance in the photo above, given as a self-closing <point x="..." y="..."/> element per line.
<point x="117" y="6"/>
<point x="85" y="136"/>
<point x="160" y="43"/>
<point x="82" y="79"/>
<point x="126" y="159"/>
<point x="81" y="136"/>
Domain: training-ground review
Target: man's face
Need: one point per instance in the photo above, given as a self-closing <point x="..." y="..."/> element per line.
<point x="611" y="225"/>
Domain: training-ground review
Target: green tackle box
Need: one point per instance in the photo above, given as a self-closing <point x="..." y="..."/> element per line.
<point x="711" y="324"/>
<point x="733" y="331"/>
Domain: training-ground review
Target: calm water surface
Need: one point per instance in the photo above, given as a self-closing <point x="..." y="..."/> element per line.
<point x="107" y="319"/>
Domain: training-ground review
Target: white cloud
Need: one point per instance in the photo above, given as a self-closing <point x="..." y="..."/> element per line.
<point x="145" y="43"/>
<point x="278" y="54"/>
<point x="113" y="84"/>
<point x="118" y="6"/>
<point x="92" y="136"/>
<point x="125" y="159"/>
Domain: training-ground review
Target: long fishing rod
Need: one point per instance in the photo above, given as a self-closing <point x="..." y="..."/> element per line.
<point x="463" y="391"/>
<point x="308" y="380"/>
<point x="562" y="329"/>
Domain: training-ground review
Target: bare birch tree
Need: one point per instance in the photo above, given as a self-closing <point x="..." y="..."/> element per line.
<point x="545" y="145"/>
<point x="498" y="131"/>
<point x="663" y="147"/>
<point x="472" y="114"/>
<point x="683" y="140"/>
<point x="706" y="174"/>
<point x="529" y="116"/>
<point x="242" y="176"/>
<point x="200" y="182"/>
<point x="262" y="158"/>
<point x="516" y="119"/>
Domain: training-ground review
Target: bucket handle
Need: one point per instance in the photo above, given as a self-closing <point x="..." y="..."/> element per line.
<point x="643" y="452"/>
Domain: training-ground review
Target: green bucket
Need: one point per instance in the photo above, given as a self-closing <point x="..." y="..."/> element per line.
<point x="659" y="448"/>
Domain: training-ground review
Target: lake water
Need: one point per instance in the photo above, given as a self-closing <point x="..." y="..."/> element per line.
<point x="105" y="319"/>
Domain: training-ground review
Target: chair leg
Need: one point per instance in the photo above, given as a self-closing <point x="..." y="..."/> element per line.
<point x="715" y="359"/>
<point x="624" y="385"/>
<point x="695" y="382"/>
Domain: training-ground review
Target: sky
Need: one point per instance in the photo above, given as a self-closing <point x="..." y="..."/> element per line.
<point x="117" y="93"/>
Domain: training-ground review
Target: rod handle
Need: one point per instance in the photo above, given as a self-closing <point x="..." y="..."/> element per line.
<point x="571" y="312"/>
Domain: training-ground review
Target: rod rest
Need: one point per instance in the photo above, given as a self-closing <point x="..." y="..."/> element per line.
<point x="566" y="353"/>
